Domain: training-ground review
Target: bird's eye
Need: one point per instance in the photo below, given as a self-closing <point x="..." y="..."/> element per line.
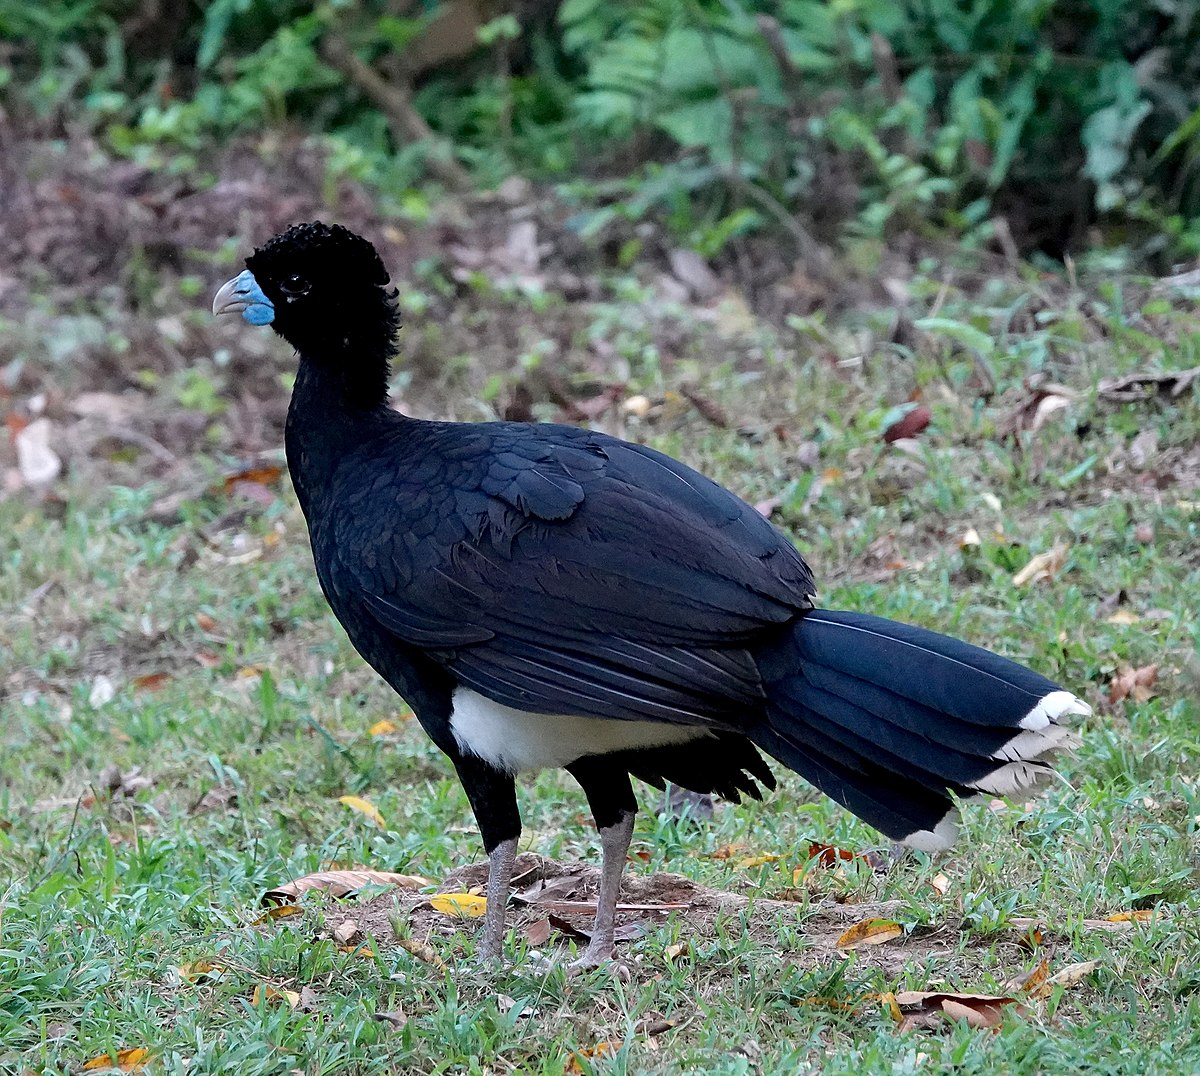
<point x="294" y="286"/>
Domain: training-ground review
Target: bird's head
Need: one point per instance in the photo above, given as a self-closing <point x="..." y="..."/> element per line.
<point x="323" y="289"/>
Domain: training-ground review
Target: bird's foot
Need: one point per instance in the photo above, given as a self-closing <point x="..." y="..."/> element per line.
<point x="590" y="959"/>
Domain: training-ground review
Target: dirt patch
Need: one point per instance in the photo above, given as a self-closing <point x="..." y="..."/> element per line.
<point x="553" y="904"/>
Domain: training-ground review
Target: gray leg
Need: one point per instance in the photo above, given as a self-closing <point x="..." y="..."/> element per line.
<point x="614" y="844"/>
<point x="500" y="869"/>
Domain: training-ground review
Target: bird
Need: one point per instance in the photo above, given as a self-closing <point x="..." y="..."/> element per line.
<point x="546" y="595"/>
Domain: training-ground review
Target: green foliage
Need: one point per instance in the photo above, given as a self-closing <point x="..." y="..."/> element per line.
<point x="869" y="117"/>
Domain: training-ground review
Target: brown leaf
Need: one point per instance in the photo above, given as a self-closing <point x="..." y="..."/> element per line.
<point x="342" y="883"/>
<point x="827" y="855"/>
<point x="346" y="931"/>
<point x="921" y="1008"/>
<point x="1034" y="982"/>
<point x="709" y="408"/>
<point x="396" y="1019"/>
<point x="264" y="993"/>
<point x="908" y="425"/>
<point x="728" y="851"/>
<point x="279" y="911"/>
<point x="423" y="951"/>
<point x="263" y="475"/>
<point x="1141" y="915"/>
<point x="1042" y="566"/>
<point x="940" y="884"/>
<point x="621" y="932"/>
<point x="538" y="932"/>
<point x="133" y="1059"/>
<point x="592" y="1053"/>
<point x="869" y="932"/>
<point x="1137" y="684"/>
<point x="151" y="681"/>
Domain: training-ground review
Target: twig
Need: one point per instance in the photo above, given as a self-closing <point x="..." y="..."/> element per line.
<point x="395" y="102"/>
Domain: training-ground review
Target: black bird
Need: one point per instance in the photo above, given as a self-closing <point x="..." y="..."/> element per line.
<point x="543" y="595"/>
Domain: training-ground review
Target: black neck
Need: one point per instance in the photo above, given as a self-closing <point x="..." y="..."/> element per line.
<point x="334" y="409"/>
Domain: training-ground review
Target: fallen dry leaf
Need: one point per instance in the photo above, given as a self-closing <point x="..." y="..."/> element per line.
<point x="1142" y="386"/>
<point x="1137" y="684"/>
<point x="712" y="411"/>
<point x="133" y="1059"/>
<point x="1123" y="616"/>
<point x="827" y="855"/>
<point x="1035" y="982"/>
<point x="280" y="911"/>
<point x="423" y="951"/>
<point x="538" y="932"/>
<point x="264" y="993"/>
<point x="364" y="807"/>
<point x="728" y="851"/>
<point x="908" y="425"/>
<point x="345" y="932"/>
<point x="342" y="883"/>
<point x="459" y="905"/>
<point x="940" y="884"/>
<point x="1141" y="915"/>
<point x="37" y="462"/>
<point x="869" y="932"/>
<point x="383" y="728"/>
<point x="155" y="681"/>
<point x="757" y="861"/>
<point x="592" y="1053"/>
<point x="1042" y="566"/>
<point x="198" y="969"/>
<point x="264" y="475"/>
<point x="920" y="1008"/>
<point x="1073" y="974"/>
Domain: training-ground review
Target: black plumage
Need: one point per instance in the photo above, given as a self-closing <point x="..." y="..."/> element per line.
<point x="546" y="595"/>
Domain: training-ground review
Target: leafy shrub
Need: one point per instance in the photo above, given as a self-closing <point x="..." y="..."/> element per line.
<point x="863" y="117"/>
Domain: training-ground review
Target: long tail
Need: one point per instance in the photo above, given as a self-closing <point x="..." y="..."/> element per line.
<point x="891" y="720"/>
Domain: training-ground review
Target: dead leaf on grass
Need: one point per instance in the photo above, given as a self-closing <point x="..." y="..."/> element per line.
<point x="827" y="855"/>
<point x="383" y="728"/>
<point x="869" y="932"/>
<point x="1074" y="974"/>
<point x="1035" y="982"/>
<point x="280" y="911"/>
<point x="912" y="422"/>
<point x="749" y="862"/>
<point x="926" y="1009"/>
<point x="728" y="851"/>
<point x="592" y="1053"/>
<point x="196" y="970"/>
<point x="133" y="1059"/>
<point x="621" y="932"/>
<point x="1144" y="385"/>
<point x="154" y="681"/>
<point x="37" y="462"/>
<point x="264" y="475"/>
<point x="364" y="807"/>
<point x="1140" y="915"/>
<point x="712" y="411"/>
<point x="264" y="993"/>
<point x="459" y="905"/>
<point x="940" y="884"/>
<point x="423" y="951"/>
<point x="345" y="932"/>
<point x="538" y="932"/>
<point x="1042" y="566"/>
<point x="342" y="883"/>
<point x="1137" y="684"/>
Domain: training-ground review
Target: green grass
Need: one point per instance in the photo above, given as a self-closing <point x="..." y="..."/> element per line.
<point x="103" y="898"/>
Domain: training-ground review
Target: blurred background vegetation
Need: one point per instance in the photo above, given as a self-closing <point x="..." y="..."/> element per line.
<point x="1041" y="128"/>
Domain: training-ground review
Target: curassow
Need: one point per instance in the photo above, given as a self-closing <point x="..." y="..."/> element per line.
<point x="543" y="595"/>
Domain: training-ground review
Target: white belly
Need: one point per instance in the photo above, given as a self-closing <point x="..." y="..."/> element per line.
<point x="515" y="741"/>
